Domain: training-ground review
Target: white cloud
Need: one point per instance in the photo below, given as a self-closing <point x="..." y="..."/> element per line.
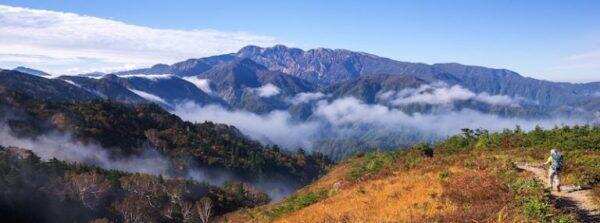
<point x="71" y="82"/>
<point x="275" y="127"/>
<point x="351" y="111"/>
<point x="153" y="77"/>
<point x="267" y="90"/>
<point x="496" y="99"/>
<point x="580" y="67"/>
<point x="64" y="147"/>
<point x="60" y="42"/>
<point x="349" y="118"/>
<point x="306" y="97"/>
<point x="148" y="96"/>
<point x="430" y="95"/>
<point x="386" y="96"/>
<point x="440" y="93"/>
<point x="588" y="59"/>
<point x="202" y="84"/>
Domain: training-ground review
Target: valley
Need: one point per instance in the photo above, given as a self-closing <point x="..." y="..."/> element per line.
<point x="299" y="111"/>
<point x="340" y="102"/>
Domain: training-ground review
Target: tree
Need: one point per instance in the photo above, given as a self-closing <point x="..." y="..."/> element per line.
<point x="144" y="186"/>
<point x="187" y="212"/>
<point x="91" y="188"/>
<point x="133" y="210"/>
<point x="204" y="209"/>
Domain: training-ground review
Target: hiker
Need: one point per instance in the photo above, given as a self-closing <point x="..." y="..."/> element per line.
<point x="556" y="162"/>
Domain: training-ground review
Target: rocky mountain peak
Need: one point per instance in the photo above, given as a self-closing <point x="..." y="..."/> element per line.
<point x="249" y="50"/>
<point x="160" y="66"/>
<point x="110" y="77"/>
<point x="248" y="63"/>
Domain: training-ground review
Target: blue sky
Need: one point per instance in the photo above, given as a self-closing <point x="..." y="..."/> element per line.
<point x="555" y="40"/>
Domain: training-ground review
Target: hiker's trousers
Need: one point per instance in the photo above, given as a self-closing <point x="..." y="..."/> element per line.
<point x="553" y="178"/>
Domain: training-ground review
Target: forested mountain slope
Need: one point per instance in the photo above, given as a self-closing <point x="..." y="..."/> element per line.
<point x="55" y="191"/>
<point x="128" y="129"/>
<point x="133" y="130"/>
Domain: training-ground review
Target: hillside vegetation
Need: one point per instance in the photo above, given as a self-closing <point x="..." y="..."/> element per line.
<point x="470" y="177"/>
<point x="54" y="191"/>
<point x="126" y="130"/>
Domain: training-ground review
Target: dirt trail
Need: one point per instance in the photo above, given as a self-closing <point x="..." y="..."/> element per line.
<point x="571" y="197"/>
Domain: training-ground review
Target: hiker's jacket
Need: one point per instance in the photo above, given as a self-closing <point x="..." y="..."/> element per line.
<point x="556" y="161"/>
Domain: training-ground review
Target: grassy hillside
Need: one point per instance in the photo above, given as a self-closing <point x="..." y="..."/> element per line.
<point x="468" y="177"/>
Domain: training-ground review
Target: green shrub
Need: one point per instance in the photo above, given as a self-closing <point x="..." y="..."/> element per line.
<point x="444" y="175"/>
<point x="564" y="219"/>
<point x="483" y="142"/>
<point x="298" y="202"/>
<point x="525" y="186"/>
<point x="371" y="164"/>
<point x="536" y="209"/>
<point x="424" y="148"/>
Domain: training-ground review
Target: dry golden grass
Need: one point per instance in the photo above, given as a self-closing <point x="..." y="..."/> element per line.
<point x="402" y="197"/>
<point x="259" y="214"/>
<point x="596" y="194"/>
<point x="471" y="186"/>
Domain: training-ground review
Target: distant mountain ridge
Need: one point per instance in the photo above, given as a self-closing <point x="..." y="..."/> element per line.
<point x="42" y="88"/>
<point x="31" y="71"/>
<point x="332" y="68"/>
<point x="189" y="67"/>
<point x="326" y="67"/>
<point x="295" y="84"/>
<point x="232" y="80"/>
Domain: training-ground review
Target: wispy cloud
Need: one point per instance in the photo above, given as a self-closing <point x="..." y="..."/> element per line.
<point x="267" y="90"/>
<point x="148" y="96"/>
<point x="580" y="67"/>
<point x="153" y="77"/>
<point x="441" y="93"/>
<point x="202" y="84"/>
<point x="64" y="147"/>
<point x="69" y="43"/>
<point x="275" y="127"/>
<point x="306" y="97"/>
<point x="350" y="118"/>
<point x="589" y="59"/>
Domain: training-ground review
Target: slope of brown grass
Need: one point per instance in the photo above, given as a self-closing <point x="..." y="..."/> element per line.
<point x="403" y="196"/>
<point x="474" y="186"/>
<point x="470" y="177"/>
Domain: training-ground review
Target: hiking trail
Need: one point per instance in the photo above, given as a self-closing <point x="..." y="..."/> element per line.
<point x="571" y="197"/>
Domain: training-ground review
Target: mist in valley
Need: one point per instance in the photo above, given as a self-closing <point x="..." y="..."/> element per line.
<point x="343" y="124"/>
<point x="64" y="147"/>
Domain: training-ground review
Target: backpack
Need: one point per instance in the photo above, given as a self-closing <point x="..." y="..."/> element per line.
<point x="557" y="162"/>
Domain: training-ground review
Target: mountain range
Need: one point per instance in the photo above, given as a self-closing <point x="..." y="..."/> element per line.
<point x="231" y="133"/>
<point x="341" y="73"/>
<point x="298" y="82"/>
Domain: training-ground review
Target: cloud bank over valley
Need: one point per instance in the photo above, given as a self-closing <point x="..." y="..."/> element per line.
<point x="347" y="119"/>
